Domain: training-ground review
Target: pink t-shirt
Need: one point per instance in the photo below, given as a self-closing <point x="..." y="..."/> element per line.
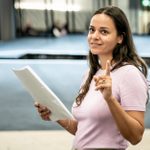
<point x="96" y="126"/>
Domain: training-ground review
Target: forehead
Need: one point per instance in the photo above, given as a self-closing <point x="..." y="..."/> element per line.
<point x="102" y="20"/>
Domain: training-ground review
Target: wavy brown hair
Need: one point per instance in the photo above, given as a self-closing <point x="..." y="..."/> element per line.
<point x="123" y="54"/>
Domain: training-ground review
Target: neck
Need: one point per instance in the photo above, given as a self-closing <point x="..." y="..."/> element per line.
<point x="103" y="61"/>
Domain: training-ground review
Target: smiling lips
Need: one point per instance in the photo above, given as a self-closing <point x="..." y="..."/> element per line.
<point x="95" y="44"/>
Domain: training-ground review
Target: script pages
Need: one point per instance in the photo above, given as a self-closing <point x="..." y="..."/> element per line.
<point x="41" y="93"/>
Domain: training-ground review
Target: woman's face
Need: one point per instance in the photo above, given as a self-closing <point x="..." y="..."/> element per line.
<point x="102" y="36"/>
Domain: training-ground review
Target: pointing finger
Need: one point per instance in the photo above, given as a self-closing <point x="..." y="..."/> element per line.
<point x="108" y="68"/>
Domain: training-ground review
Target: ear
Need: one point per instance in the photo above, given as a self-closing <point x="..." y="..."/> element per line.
<point x="120" y="39"/>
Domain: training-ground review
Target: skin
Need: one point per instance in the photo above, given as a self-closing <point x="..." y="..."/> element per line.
<point x="102" y="39"/>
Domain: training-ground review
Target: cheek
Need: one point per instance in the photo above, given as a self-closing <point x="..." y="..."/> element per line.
<point x="110" y="42"/>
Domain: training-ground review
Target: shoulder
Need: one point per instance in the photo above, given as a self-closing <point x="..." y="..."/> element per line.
<point x="133" y="88"/>
<point x="127" y="68"/>
<point x="128" y="71"/>
<point x="131" y="75"/>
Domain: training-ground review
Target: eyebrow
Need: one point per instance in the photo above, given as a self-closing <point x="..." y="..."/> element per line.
<point x="100" y="27"/>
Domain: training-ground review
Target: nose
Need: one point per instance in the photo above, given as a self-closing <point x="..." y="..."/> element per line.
<point x="96" y="35"/>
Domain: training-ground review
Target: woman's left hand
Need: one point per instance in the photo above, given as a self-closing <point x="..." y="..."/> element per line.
<point x="104" y="83"/>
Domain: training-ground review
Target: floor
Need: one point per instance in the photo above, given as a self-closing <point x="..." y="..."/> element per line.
<point x="50" y="140"/>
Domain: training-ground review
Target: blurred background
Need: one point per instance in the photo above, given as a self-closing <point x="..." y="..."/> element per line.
<point x="50" y="36"/>
<point x="21" y="18"/>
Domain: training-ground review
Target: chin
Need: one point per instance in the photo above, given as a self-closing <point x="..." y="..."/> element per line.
<point x="95" y="51"/>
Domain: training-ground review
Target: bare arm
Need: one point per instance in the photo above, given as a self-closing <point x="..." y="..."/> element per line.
<point x="69" y="124"/>
<point x="130" y="123"/>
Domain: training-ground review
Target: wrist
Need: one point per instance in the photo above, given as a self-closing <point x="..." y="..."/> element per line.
<point x="65" y="123"/>
<point x="110" y="99"/>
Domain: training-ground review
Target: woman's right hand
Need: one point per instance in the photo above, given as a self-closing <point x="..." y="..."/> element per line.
<point x="44" y="112"/>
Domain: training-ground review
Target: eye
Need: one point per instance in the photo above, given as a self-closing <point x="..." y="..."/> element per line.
<point x="91" y="29"/>
<point x="104" y="32"/>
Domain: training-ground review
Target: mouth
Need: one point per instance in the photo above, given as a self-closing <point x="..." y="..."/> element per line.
<point x="95" y="44"/>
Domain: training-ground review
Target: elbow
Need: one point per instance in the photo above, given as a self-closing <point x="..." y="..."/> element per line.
<point x="135" y="139"/>
<point x="135" y="136"/>
<point x="72" y="133"/>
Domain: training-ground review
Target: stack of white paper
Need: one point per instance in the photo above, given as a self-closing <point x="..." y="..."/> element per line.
<point x="41" y="93"/>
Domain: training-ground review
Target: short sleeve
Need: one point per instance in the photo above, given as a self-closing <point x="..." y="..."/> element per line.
<point x="133" y="90"/>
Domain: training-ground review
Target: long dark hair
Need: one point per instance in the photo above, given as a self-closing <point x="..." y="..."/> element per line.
<point x="123" y="54"/>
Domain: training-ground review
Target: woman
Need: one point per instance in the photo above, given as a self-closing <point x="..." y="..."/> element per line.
<point x="109" y="110"/>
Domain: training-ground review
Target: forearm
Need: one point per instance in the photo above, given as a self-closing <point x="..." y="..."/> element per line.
<point x="69" y="124"/>
<point x="129" y="127"/>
